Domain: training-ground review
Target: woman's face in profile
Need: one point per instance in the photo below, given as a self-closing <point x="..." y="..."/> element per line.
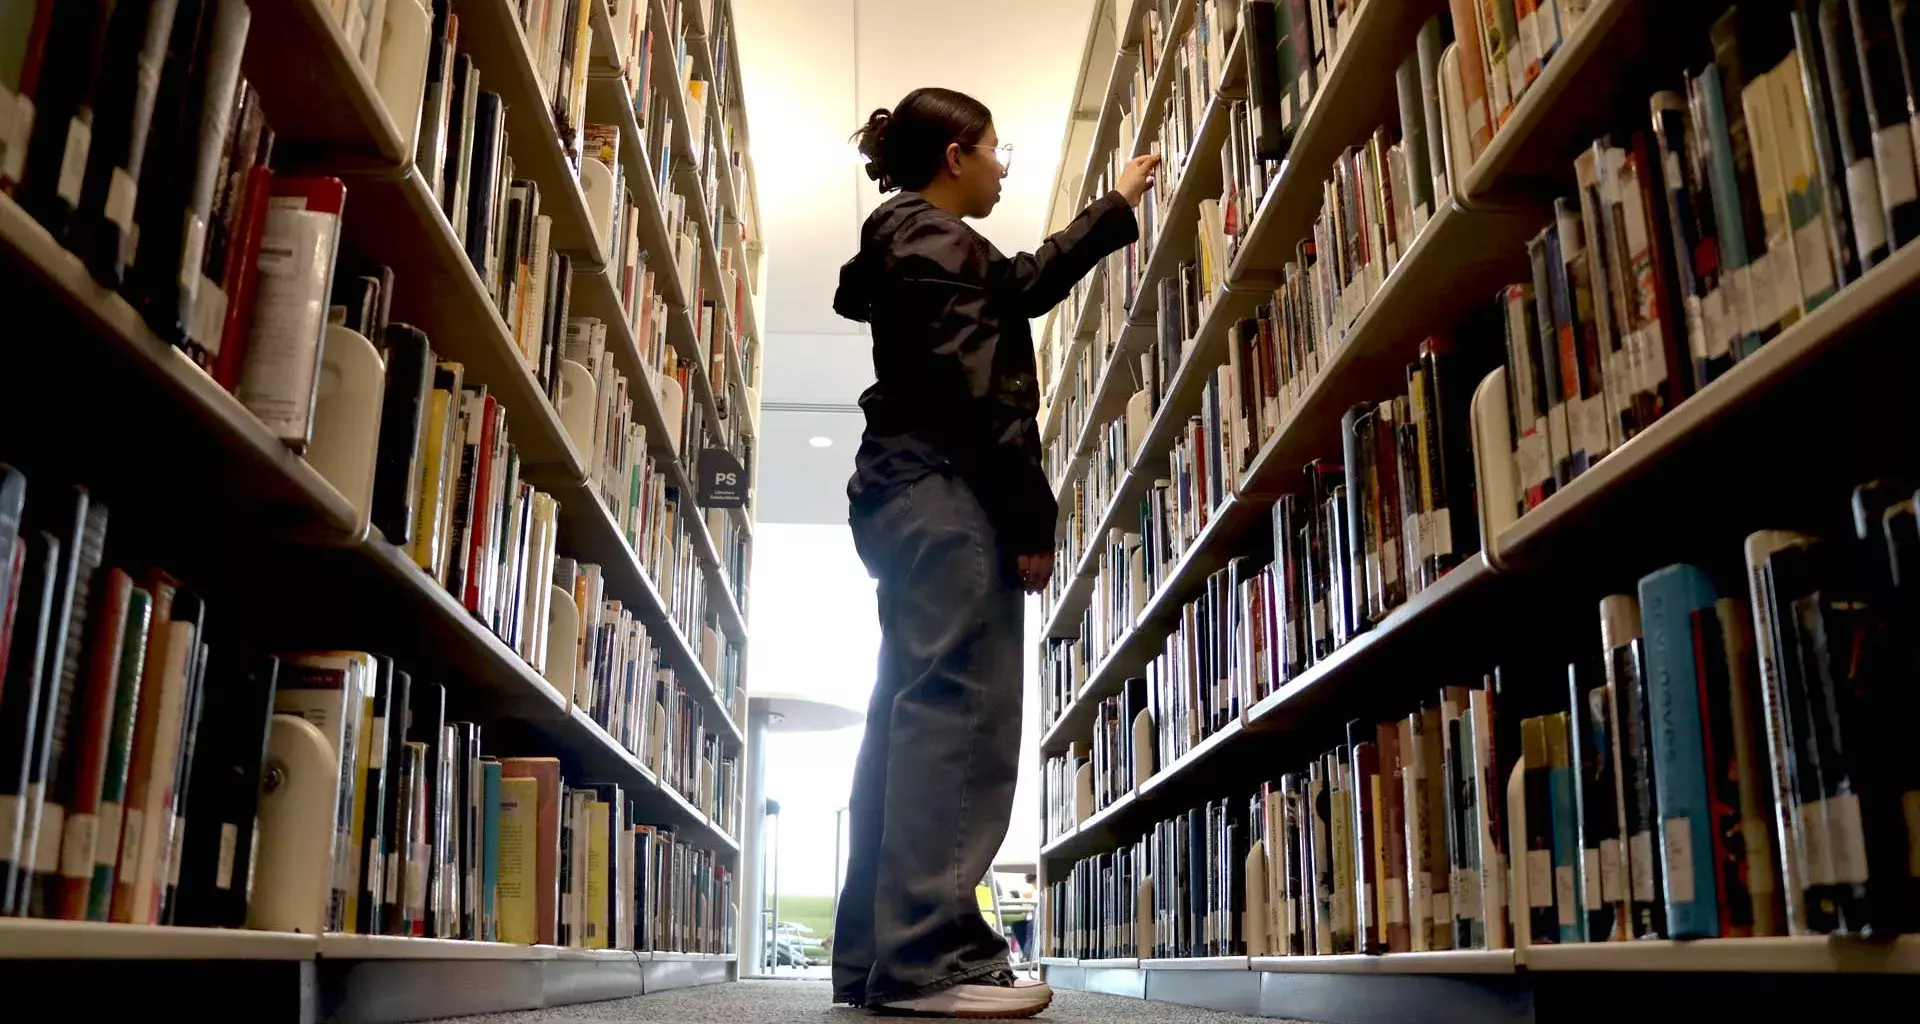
<point x="981" y="173"/>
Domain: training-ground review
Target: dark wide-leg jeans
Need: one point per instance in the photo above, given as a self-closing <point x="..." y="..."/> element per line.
<point x="933" y="786"/>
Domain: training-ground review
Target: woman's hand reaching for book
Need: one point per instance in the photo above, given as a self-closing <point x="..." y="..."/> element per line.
<point x="1137" y="178"/>
<point x="1035" y="571"/>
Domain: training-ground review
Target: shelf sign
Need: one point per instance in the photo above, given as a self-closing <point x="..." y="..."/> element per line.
<point x="723" y="483"/>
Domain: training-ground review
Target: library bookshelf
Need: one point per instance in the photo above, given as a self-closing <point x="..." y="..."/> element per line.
<point x="93" y="396"/>
<point x="1697" y="478"/>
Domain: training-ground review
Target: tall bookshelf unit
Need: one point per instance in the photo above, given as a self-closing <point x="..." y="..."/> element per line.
<point x="290" y="563"/>
<point x="1705" y="474"/>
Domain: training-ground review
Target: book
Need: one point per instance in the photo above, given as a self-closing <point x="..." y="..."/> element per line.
<point x="81" y="524"/>
<point x="330" y="690"/>
<point x="1829" y="174"/>
<point x="1846" y="95"/>
<point x="102" y="225"/>
<point x="387" y="879"/>
<point x="114" y="769"/>
<point x="1799" y="873"/>
<point x="218" y="835"/>
<point x="519" y="853"/>
<point x="191" y="116"/>
<point x="64" y="114"/>
<point x="21" y="688"/>
<point x="66" y="882"/>
<point x="430" y="149"/>
<point x="1543" y="922"/>
<point x="187" y="608"/>
<point x="1603" y="865"/>
<point x="490" y="848"/>
<point x="1669" y="599"/>
<point x="1887" y="102"/>
<point x="281" y="376"/>
<point x="546" y="846"/>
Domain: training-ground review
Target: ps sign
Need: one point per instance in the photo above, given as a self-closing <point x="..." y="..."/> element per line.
<point x="723" y="483"/>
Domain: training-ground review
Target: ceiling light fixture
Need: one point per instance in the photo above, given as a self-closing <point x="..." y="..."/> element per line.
<point x="820" y="442"/>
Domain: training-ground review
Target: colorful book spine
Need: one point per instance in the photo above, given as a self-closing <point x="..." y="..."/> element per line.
<point x="1668" y="600"/>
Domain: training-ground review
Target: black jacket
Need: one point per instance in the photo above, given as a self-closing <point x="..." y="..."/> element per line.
<point x="953" y="354"/>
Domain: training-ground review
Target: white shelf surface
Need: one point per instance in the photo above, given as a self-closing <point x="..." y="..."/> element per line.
<point x="34" y="939"/>
<point x="1464" y="961"/>
<point x="1809" y="955"/>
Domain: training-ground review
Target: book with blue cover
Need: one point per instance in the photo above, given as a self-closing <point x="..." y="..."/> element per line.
<point x="1668" y="600"/>
<point x="490" y="850"/>
<point x="1568" y="900"/>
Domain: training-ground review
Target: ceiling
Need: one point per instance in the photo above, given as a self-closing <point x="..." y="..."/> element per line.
<point x="813" y="70"/>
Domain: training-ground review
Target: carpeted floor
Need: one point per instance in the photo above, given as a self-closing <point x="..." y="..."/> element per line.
<point x="807" y="1002"/>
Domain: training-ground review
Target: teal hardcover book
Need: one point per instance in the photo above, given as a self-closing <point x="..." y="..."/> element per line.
<point x="490" y="851"/>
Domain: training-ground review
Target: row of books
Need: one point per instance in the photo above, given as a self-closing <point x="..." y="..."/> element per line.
<point x="1718" y="766"/>
<point x="1361" y="537"/>
<point x="1073" y="402"/>
<point x="1091" y="776"/>
<point x="142" y="756"/>
<point x="1173" y="893"/>
<point x="609" y="666"/>
<point x="1776" y="179"/>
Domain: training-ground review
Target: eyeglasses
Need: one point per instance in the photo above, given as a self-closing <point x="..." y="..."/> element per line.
<point x="1002" y="153"/>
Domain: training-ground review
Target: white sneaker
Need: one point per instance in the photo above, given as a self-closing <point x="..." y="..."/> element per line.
<point x="997" y="996"/>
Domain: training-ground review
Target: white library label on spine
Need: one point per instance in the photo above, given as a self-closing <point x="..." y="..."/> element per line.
<point x="1863" y="202"/>
<point x="131" y="837"/>
<point x="1590" y="888"/>
<point x="1613" y="882"/>
<point x="1893" y="155"/>
<point x="1640" y="866"/>
<point x="76" y="845"/>
<point x="1849" y="850"/>
<point x="229" y="849"/>
<point x="1563" y="893"/>
<point x="1678" y="859"/>
<point x="73" y="161"/>
<point x="1539" y="878"/>
<point x="1817" y="836"/>
<point x="106" y="843"/>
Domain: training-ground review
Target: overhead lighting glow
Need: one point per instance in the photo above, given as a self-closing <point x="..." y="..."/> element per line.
<point x="820" y="442"/>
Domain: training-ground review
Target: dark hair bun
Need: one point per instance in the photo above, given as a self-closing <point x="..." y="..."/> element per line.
<point x="872" y="137"/>
<point x="905" y="147"/>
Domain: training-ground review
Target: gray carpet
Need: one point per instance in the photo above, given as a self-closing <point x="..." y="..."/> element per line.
<point x="807" y="1002"/>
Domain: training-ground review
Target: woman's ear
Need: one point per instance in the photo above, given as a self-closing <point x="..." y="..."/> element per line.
<point x="953" y="158"/>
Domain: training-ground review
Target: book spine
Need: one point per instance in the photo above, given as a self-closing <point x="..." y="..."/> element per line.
<point x="1818" y="113"/>
<point x="1887" y="104"/>
<point x="280" y="380"/>
<point x="1668" y="599"/>
<point x="113" y="782"/>
<point x="1790" y="836"/>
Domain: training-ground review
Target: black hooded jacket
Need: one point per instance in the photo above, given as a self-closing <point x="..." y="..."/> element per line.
<point x="953" y="354"/>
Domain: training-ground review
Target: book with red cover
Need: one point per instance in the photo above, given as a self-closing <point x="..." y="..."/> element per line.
<point x="87" y="745"/>
<point x="485" y="511"/>
<point x="27" y="25"/>
<point x="241" y="280"/>
<point x="545" y="770"/>
<point x="155" y="745"/>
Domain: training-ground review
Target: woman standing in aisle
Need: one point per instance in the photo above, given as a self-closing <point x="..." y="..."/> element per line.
<point x="953" y="514"/>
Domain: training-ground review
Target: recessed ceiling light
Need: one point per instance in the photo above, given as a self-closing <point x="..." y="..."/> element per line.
<point x="820" y="442"/>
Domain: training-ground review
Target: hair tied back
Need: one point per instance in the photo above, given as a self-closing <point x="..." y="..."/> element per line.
<point x="872" y="144"/>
